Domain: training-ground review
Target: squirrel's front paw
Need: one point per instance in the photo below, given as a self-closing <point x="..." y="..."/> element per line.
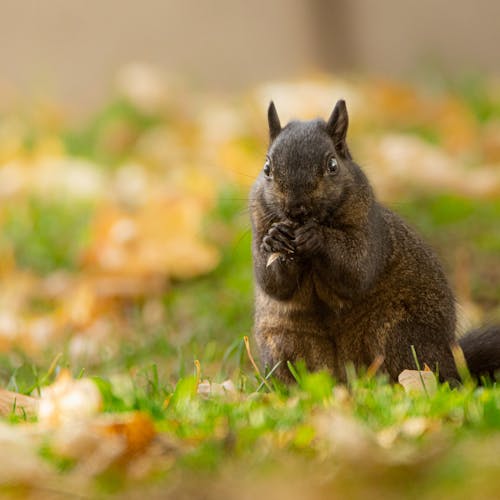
<point x="279" y="239"/>
<point x="308" y="239"/>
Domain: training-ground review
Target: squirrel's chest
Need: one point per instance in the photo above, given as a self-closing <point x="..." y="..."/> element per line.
<point x="320" y="291"/>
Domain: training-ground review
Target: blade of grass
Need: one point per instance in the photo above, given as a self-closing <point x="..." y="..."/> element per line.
<point x="254" y="364"/>
<point x="461" y="364"/>
<point x="415" y="358"/>
<point x="375" y="366"/>
<point x="294" y="372"/>
<point x="268" y="376"/>
<point x="198" y="372"/>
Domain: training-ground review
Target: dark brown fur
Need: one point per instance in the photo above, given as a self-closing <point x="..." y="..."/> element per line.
<point x="353" y="281"/>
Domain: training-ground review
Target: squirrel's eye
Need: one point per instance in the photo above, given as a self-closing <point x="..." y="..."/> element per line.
<point x="267" y="168"/>
<point x="332" y="166"/>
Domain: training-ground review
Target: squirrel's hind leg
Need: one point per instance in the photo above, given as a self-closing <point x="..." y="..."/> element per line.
<point x="431" y="347"/>
<point x="280" y="347"/>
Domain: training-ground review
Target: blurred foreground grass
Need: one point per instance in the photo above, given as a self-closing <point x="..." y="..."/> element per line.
<point x="125" y="257"/>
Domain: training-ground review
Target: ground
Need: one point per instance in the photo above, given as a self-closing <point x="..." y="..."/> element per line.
<point x="126" y="299"/>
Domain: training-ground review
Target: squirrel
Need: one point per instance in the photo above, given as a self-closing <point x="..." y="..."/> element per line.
<point x="341" y="279"/>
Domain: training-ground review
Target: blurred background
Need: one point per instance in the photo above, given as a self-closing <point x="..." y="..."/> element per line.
<point x="131" y="132"/>
<point x="73" y="50"/>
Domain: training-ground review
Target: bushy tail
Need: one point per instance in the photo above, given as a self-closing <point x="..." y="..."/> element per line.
<point x="481" y="349"/>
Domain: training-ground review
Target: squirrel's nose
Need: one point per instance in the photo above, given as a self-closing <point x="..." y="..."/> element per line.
<point x="296" y="211"/>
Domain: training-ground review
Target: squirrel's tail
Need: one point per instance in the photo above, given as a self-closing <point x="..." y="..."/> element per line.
<point x="481" y="349"/>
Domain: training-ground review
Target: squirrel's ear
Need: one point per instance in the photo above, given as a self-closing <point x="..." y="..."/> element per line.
<point x="274" y="121"/>
<point x="337" y="127"/>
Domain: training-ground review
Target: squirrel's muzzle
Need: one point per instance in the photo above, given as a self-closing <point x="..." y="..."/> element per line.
<point x="296" y="211"/>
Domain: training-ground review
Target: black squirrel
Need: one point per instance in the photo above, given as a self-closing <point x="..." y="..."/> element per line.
<point x="339" y="278"/>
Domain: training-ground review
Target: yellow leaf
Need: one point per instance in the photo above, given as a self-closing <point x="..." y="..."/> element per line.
<point x="137" y="429"/>
<point x="161" y="238"/>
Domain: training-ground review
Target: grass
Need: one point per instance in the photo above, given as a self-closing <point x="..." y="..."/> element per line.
<point x="372" y="427"/>
<point x="316" y="439"/>
<point x="46" y="235"/>
<point x="110" y="136"/>
<point x="369" y="438"/>
<point x="465" y="234"/>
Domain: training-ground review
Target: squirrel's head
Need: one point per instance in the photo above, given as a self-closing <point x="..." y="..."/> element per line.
<point x="309" y="172"/>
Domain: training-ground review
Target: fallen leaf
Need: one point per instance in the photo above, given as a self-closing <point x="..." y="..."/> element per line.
<point x="21" y="464"/>
<point x="17" y="403"/>
<point x="411" y="427"/>
<point x="344" y="435"/>
<point x="418" y="381"/>
<point x="161" y="238"/>
<point x="207" y="388"/>
<point x="414" y="427"/>
<point x="137" y="429"/>
<point x="67" y="400"/>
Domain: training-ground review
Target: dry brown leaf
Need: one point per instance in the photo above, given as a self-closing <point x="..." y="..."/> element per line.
<point x="67" y="400"/>
<point x="397" y="154"/>
<point x="17" y="403"/>
<point x="77" y="440"/>
<point x="161" y="238"/>
<point x="414" y="427"/>
<point x="102" y="441"/>
<point x="137" y="429"/>
<point x="456" y="125"/>
<point x="344" y="435"/>
<point x="393" y="102"/>
<point x="387" y="436"/>
<point x="21" y="464"/>
<point x="418" y="381"/>
<point x="411" y="427"/>
<point x="490" y="142"/>
<point x="207" y="388"/>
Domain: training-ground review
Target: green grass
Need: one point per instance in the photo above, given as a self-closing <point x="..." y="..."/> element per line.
<point x="46" y="235"/>
<point x="466" y="229"/>
<point x="334" y="441"/>
<point x="472" y="220"/>
<point x="314" y="426"/>
<point x="111" y="135"/>
<point x="472" y="90"/>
